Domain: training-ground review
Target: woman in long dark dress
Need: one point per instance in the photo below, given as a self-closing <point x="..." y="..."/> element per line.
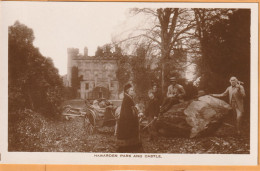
<point x="128" y="139"/>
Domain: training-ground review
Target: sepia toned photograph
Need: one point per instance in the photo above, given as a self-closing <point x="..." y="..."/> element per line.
<point x="130" y="80"/>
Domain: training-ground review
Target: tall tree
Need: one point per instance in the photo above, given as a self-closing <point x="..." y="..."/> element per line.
<point x="229" y="48"/>
<point x="75" y="80"/>
<point x="99" y="52"/>
<point x="167" y="27"/>
<point x="104" y="51"/>
<point x="33" y="81"/>
<point x="123" y="71"/>
<point x="205" y="19"/>
<point x="140" y="73"/>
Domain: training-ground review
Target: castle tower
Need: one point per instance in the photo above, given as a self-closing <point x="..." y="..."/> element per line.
<point x="72" y="54"/>
<point x="85" y="51"/>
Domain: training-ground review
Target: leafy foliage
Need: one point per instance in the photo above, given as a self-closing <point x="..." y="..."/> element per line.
<point x="175" y="66"/>
<point x="123" y="71"/>
<point x="224" y="36"/>
<point x="75" y="81"/>
<point x="99" y="52"/>
<point x="226" y="51"/>
<point x="141" y="74"/>
<point x="33" y="81"/>
<point x="68" y="93"/>
<point x="104" y="51"/>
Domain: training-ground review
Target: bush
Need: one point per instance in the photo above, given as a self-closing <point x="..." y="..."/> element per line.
<point x="33" y="81"/>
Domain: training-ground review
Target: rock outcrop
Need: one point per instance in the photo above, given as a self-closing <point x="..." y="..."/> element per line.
<point x="194" y="118"/>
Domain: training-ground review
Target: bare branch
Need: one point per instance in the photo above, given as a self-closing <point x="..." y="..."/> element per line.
<point x="174" y="21"/>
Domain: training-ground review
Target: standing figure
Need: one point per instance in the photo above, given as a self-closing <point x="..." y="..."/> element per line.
<point x="157" y="93"/>
<point x="236" y="94"/>
<point x="128" y="139"/>
<point x="175" y="94"/>
<point x="151" y="112"/>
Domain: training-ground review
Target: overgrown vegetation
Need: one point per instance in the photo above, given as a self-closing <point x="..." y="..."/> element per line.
<point x="226" y="50"/>
<point x="33" y="81"/>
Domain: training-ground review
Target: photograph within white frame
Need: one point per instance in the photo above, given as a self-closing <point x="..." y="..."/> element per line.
<point x="10" y="15"/>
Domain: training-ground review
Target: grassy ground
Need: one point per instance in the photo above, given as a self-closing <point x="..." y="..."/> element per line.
<point x="30" y="131"/>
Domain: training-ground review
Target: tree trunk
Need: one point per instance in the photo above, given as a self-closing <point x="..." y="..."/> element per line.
<point x="163" y="82"/>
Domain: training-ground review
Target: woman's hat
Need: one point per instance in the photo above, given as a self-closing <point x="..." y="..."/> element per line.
<point x="127" y="86"/>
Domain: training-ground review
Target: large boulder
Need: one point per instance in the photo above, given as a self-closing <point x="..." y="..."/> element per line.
<point x="198" y="117"/>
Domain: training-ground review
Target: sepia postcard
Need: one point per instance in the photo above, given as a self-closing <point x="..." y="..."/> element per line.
<point x="129" y="83"/>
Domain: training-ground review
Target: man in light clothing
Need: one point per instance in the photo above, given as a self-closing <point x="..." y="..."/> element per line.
<point x="236" y="94"/>
<point x="175" y="95"/>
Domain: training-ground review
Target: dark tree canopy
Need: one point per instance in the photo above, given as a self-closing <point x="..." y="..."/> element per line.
<point x="141" y="73"/>
<point x="123" y="71"/>
<point x="105" y="51"/>
<point x="99" y="52"/>
<point x="228" y="49"/>
<point x="75" y="81"/>
<point x="33" y="81"/>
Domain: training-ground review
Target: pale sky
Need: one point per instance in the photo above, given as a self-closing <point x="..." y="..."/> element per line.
<point x="58" y="26"/>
